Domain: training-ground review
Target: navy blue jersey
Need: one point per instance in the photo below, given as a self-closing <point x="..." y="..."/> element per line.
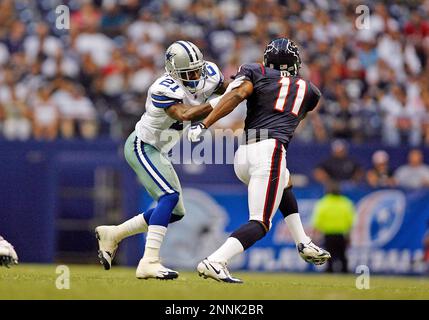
<point x="278" y="103"/>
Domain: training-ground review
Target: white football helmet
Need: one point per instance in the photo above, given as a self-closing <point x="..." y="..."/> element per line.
<point x="184" y="62"/>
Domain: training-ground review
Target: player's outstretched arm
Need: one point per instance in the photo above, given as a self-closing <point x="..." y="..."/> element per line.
<point x="229" y="102"/>
<point x="182" y="112"/>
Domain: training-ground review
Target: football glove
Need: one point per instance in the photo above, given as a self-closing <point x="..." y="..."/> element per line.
<point x="195" y="132"/>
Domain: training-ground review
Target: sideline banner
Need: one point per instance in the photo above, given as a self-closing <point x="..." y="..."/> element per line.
<point x="387" y="234"/>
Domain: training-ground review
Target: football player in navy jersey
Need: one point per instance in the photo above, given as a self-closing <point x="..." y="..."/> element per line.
<point x="277" y="100"/>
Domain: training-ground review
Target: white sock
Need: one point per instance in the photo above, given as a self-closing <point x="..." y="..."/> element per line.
<point x="131" y="227"/>
<point x="227" y="251"/>
<point x="295" y="227"/>
<point x="154" y="238"/>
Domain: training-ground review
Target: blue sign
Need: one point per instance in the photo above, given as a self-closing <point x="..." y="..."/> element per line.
<point x="387" y="234"/>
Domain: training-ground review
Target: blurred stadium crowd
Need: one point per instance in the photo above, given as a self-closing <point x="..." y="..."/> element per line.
<point x="91" y="80"/>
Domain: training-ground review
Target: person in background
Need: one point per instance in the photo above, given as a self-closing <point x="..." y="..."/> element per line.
<point x="16" y="114"/>
<point x="380" y="175"/>
<point x="45" y="115"/>
<point x="415" y="174"/>
<point x="339" y="166"/>
<point x="76" y="111"/>
<point x="333" y="217"/>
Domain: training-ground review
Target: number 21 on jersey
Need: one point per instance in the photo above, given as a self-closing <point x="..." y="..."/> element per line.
<point x="284" y="92"/>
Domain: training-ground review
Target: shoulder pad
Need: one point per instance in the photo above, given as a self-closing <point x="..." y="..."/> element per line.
<point x="250" y="70"/>
<point x="165" y="92"/>
<point x="214" y="72"/>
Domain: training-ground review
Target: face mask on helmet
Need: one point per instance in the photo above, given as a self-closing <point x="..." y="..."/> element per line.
<point x="194" y="79"/>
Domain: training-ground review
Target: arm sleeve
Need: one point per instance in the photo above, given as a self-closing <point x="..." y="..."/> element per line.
<point x="161" y="100"/>
<point x="246" y="71"/>
<point x="314" y="96"/>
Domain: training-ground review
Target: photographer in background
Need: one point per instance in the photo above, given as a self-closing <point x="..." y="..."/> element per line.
<point x="380" y="175"/>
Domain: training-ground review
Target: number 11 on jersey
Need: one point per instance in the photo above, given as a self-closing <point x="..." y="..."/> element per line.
<point x="284" y="92"/>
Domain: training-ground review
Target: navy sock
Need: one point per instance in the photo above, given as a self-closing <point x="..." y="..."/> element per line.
<point x="148" y="214"/>
<point x="288" y="204"/>
<point x="173" y="218"/>
<point x="162" y="213"/>
<point x="249" y="233"/>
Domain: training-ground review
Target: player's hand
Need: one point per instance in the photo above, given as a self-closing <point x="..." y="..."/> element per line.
<point x="195" y="132"/>
<point x="8" y="256"/>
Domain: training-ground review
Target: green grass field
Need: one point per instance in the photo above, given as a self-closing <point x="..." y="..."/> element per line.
<point x="92" y="282"/>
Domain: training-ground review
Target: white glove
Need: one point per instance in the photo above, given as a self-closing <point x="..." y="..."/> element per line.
<point x="8" y="255"/>
<point x="213" y="102"/>
<point x="195" y="132"/>
<point x="234" y="84"/>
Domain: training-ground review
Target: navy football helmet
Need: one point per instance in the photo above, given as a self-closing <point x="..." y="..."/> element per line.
<point x="282" y="54"/>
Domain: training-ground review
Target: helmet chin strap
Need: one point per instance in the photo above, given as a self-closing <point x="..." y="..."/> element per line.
<point x="193" y="84"/>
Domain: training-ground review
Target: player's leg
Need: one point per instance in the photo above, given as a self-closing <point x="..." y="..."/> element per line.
<point x="167" y="191"/>
<point x="160" y="180"/>
<point x="267" y="171"/>
<point x="306" y="248"/>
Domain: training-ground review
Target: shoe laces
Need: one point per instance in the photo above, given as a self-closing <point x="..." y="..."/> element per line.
<point x="313" y="246"/>
<point x="225" y="269"/>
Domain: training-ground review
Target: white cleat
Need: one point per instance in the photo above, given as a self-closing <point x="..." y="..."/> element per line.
<point x="107" y="245"/>
<point x="216" y="270"/>
<point x="148" y="268"/>
<point x="312" y="253"/>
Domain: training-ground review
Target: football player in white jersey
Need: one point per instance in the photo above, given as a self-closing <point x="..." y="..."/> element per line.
<point x="181" y="94"/>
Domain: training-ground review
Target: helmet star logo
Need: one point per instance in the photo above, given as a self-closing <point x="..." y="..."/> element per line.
<point x="169" y="56"/>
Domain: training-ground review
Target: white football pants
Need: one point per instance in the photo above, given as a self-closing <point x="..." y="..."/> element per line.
<point x="262" y="166"/>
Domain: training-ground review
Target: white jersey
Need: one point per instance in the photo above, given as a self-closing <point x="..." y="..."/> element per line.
<point x="156" y="127"/>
